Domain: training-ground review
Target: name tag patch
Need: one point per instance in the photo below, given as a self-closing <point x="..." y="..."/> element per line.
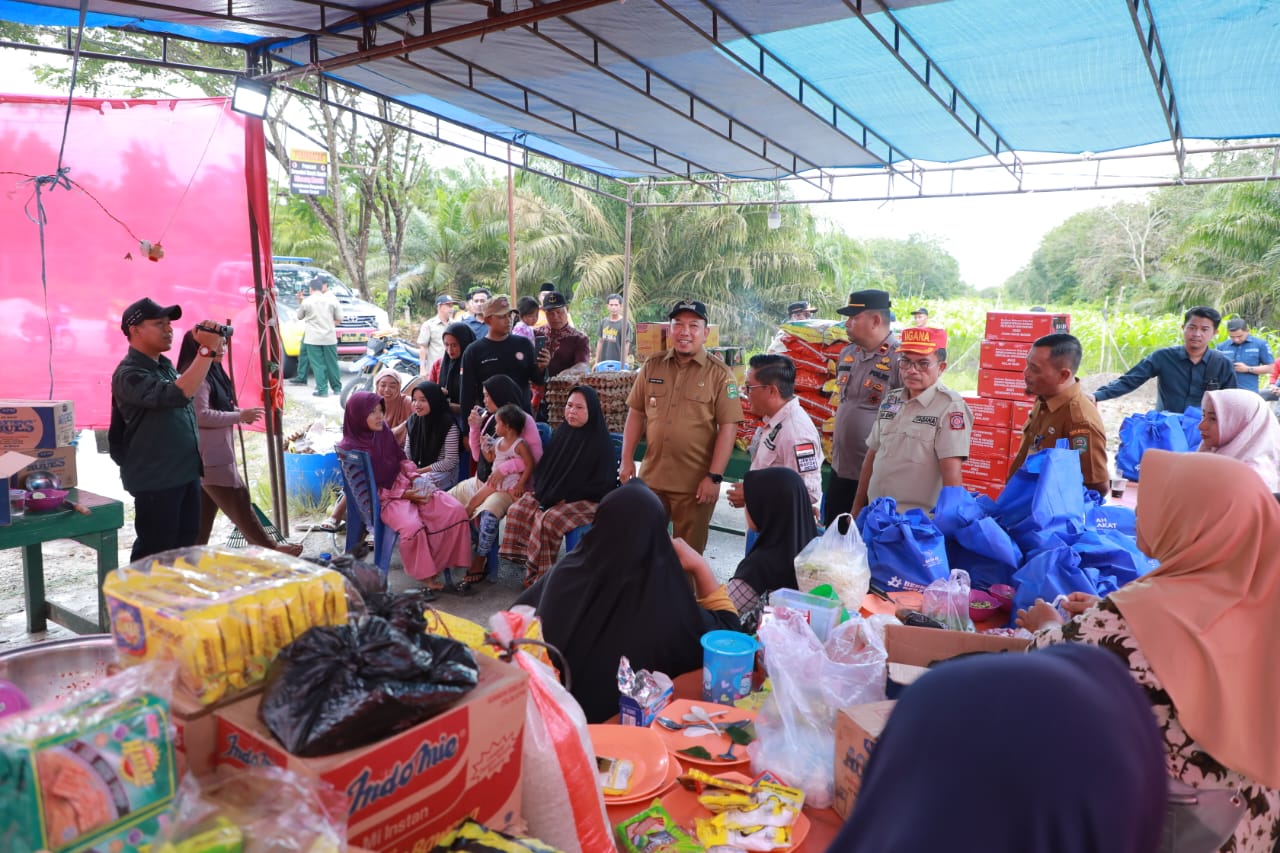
<point x="656" y="381"/>
<point x="925" y="419"/>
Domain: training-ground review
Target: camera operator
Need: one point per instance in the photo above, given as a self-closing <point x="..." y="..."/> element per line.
<point x="153" y="430"/>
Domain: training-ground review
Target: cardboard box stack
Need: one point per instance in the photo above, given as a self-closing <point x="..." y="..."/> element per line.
<point x="1002" y="406"/>
<point x="43" y="430"/>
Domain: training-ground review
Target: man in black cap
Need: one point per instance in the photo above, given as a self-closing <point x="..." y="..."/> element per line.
<point x="795" y="311"/>
<point x="154" y="438"/>
<point x="866" y="370"/>
<point x="431" y="335"/>
<point x="1250" y="356"/>
<point x="686" y="404"/>
<point x="920" y="317"/>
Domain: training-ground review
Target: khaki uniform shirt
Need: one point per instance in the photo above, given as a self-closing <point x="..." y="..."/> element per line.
<point x="431" y="336"/>
<point x="683" y="407"/>
<point x="1068" y="415"/>
<point x="862" y="380"/>
<point x="909" y="437"/>
<point x="320" y="314"/>
<point x="789" y="439"/>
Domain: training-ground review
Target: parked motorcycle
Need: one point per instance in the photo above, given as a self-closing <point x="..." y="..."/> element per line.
<point x="382" y="351"/>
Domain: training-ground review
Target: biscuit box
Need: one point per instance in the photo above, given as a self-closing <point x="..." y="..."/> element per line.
<point x="32" y="424"/>
<point x="406" y="790"/>
<point x="60" y="461"/>
<point x="989" y="411"/>
<point x="985" y="468"/>
<point x="1003" y="355"/>
<point x="991" y="442"/>
<point x="1019" y="413"/>
<point x="857" y="731"/>
<point x="1002" y="383"/>
<point x="1024" y="325"/>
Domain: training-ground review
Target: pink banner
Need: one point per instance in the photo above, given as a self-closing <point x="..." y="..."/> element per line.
<point x="166" y="172"/>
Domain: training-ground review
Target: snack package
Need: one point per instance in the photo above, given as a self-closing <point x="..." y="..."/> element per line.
<point x="654" y="831"/>
<point x="255" y="810"/>
<point x="642" y="695"/>
<point x="222" y="615"/>
<point x="92" y="772"/>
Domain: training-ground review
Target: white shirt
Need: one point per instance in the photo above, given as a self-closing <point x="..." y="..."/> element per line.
<point x="789" y="439"/>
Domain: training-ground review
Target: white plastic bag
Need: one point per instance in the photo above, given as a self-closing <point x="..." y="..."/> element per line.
<point x="795" y="729"/>
<point x="948" y="601"/>
<point x="839" y="559"/>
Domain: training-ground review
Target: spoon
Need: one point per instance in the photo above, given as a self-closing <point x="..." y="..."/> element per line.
<point x="671" y="725"/>
<point x="701" y="714"/>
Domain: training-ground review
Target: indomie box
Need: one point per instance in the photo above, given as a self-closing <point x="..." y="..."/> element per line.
<point x="985" y="468"/>
<point x="1003" y="355"/>
<point x="857" y="731"/>
<point x="406" y="790"/>
<point x="1025" y="325"/>
<point x="1002" y="383"/>
<point x="31" y="424"/>
<point x="992" y="442"/>
<point x="1019" y="413"/>
<point x="989" y="411"/>
<point x="983" y="487"/>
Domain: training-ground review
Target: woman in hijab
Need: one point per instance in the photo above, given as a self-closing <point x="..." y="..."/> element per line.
<point x="432" y="525"/>
<point x="386" y="383"/>
<point x="221" y="486"/>
<point x="433" y="434"/>
<point x="1047" y="753"/>
<point x="780" y="509"/>
<point x="578" y="469"/>
<point x="1198" y="633"/>
<point x="625" y="591"/>
<point x="498" y="391"/>
<point x="447" y="371"/>
<point x="1239" y="424"/>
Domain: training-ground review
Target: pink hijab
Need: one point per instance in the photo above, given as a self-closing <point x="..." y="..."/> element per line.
<point x="1247" y="431"/>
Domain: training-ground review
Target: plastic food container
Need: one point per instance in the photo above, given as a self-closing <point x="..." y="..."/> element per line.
<point x="824" y="613"/>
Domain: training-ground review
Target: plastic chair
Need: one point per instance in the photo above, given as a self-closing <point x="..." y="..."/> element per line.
<point x="607" y="367"/>
<point x="364" y="511"/>
<point x="575" y="535"/>
<point x="545" y="433"/>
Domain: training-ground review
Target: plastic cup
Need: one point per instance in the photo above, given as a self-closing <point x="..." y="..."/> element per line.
<point x="17" y="503"/>
<point x="728" y="658"/>
<point x="1117" y="487"/>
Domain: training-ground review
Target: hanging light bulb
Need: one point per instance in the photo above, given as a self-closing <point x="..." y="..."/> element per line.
<point x="775" y="217"/>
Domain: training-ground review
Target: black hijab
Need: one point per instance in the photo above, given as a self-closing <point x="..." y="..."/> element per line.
<point x="578" y="463"/>
<point x="1056" y="751"/>
<point x="451" y="368"/>
<point x="222" y="394"/>
<point x="502" y="390"/>
<point x="427" y="434"/>
<point x="780" y="506"/>
<point x="622" y="591"/>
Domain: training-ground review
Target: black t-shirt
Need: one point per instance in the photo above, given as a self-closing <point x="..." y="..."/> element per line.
<point x="511" y="356"/>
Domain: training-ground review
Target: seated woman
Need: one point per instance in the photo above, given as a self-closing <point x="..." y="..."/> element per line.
<point x="578" y="469"/>
<point x="779" y="508"/>
<point x="1239" y="424"/>
<point x="498" y="391"/>
<point x="1054" y="753"/>
<point x="221" y="486"/>
<point x="386" y="384"/>
<point x="1198" y="633"/>
<point x="432" y="525"/>
<point x="433" y="440"/>
<point x="625" y="591"/>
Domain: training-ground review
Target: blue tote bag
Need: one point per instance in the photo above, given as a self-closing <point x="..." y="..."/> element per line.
<point x="905" y="550"/>
<point x="1043" y="500"/>
<point x="975" y="541"/>
<point x="1152" y="430"/>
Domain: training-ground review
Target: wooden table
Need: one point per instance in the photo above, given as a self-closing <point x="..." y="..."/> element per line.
<point x="824" y="824"/>
<point x="97" y="530"/>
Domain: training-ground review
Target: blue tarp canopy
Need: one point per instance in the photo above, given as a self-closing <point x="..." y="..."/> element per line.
<point x="761" y="88"/>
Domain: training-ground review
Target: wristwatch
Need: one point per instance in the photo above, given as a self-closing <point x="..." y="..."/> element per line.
<point x="205" y="351"/>
<point x="716" y="478"/>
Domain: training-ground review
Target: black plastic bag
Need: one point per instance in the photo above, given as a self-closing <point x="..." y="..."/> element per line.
<point x="366" y="578"/>
<point x="344" y="686"/>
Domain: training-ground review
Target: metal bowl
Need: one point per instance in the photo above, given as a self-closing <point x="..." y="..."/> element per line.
<point x="58" y="668"/>
<point x="41" y="480"/>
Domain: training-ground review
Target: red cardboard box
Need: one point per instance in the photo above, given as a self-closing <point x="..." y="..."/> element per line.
<point x="992" y="442"/>
<point x="982" y="487"/>
<point x="1025" y="325"/>
<point x="1019" y="413"/>
<point x="989" y="411"/>
<point x="405" y="791"/>
<point x="1003" y="355"/>
<point x="985" y="468"/>
<point x="1002" y="383"/>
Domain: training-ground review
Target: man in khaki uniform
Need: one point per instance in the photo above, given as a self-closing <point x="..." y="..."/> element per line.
<point x="1062" y="409"/>
<point x="320" y="315"/>
<point x="686" y="405"/>
<point x="921" y="433"/>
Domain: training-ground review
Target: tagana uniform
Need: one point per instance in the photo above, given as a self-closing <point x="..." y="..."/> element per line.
<point x="909" y="437"/>
<point x="789" y="439"/>
<point x="683" y="407"/>
<point x="1068" y="415"/>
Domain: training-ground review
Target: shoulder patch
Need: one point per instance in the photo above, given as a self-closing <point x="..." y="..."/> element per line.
<point x="1080" y="442"/>
<point x="957" y="420"/>
<point x="806" y="457"/>
<point x="732" y="390"/>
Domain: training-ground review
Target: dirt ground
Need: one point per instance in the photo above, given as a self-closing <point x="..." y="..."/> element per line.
<point x="70" y="567"/>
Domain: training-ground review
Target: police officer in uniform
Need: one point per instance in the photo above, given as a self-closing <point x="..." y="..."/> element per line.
<point x="867" y="370"/>
<point x="686" y="404"/>
<point x="1062" y="409"/>
<point x="921" y="433"/>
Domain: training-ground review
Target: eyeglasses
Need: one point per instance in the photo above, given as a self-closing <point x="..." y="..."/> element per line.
<point x="907" y="366"/>
<point x="747" y="389"/>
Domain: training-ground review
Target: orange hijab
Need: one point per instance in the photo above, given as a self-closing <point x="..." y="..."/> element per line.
<point x="1206" y="618"/>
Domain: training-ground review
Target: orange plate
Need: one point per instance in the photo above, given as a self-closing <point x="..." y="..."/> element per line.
<point x="641" y="747"/>
<point x="683" y="806"/>
<point x="673" y="773"/>
<point x="714" y="744"/>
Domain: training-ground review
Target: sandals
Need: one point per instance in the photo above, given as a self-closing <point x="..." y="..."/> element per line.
<point x="329" y="525"/>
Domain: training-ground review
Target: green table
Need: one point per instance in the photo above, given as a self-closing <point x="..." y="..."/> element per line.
<point x="97" y="530"/>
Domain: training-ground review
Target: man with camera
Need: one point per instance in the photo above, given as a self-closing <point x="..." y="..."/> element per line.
<point x="158" y="446"/>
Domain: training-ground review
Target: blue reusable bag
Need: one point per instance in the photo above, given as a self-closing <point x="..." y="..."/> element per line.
<point x="1111" y="517"/>
<point x="975" y="542"/>
<point x="1191" y="419"/>
<point x="1140" y="433"/>
<point x="1043" y="500"/>
<point x="905" y="551"/>
<point x="1053" y="572"/>
<point x="1113" y="556"/>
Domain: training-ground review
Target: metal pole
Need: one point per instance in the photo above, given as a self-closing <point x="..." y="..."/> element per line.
<point x="511" y="228"/>
<point x="626" y="279"/>
<point x="275" y="443"/>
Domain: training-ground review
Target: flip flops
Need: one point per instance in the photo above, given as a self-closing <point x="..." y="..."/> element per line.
<point x="327" y="526"/>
